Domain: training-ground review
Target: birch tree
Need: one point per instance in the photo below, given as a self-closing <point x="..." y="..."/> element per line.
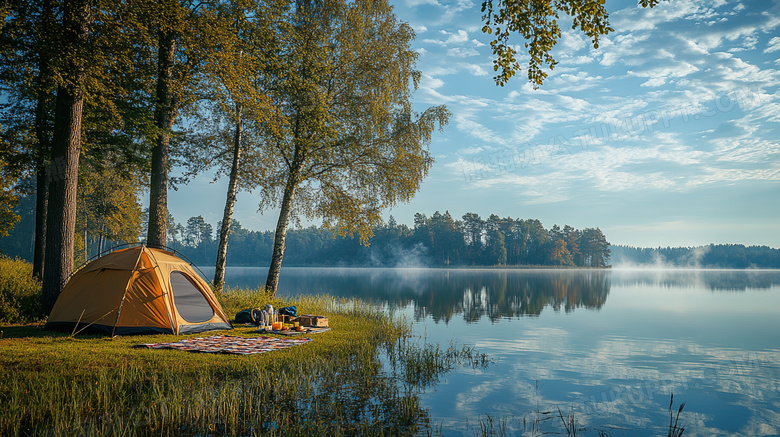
<point x="172" y="23"/>
<point x="237" y="106"/>
<point x="349" y="144"/>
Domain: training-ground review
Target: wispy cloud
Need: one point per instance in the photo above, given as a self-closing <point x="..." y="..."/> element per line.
<point x="773" y="46"/>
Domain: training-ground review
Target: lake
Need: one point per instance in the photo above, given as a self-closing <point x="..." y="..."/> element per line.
<point x="607" y="347"/>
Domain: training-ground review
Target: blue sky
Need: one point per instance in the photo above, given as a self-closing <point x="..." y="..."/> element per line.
<point x="668" y="134"/>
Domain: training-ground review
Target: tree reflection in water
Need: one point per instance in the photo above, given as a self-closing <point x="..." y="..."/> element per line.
<point x="442" y="294"/>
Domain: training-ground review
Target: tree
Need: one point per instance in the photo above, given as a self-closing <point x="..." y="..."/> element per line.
<point x="447" y="239"/>
<point x="66" y="77"/>
<point x="559" y="254"/>
<point x="66" y="144"/>
<point x="594" y="248"/>
<point x="495" y="242"/>
<point x="173" y="22"/>
<point x="350" y="144"/>
<point x="197" y="231"/>
<point x="27" y="43"/>
<point x="234" y="75"/>
<point x="496" y="248"/>
<point x="538" y="22"/>
<point x="9" y="198"/>
<point x="473" y="227"/>
<point x="108" y="207"/>
<point x="572" y="236"/>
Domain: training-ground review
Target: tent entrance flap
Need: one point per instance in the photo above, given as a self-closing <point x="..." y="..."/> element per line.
<point x="190" y="302"/>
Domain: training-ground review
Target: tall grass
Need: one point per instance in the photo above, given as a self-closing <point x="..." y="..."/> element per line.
<point x="55" y="384"/>
<point x="19" y="292"/>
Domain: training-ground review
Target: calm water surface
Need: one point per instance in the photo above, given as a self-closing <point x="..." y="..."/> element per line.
<point x="608" y="346"/>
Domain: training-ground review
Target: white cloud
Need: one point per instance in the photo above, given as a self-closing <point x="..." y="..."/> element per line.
<point x="449" y="38"/>
<point x="773" y="46"/>
<point x="654" y="82"/>
<point x="459" y="52"/>
<point x="476" y="70"/>
<point x="576" y="81"/>
<point x="431" y="82"/>
<point x="458" y="37"/>
<point x="715" y="175"/>
<point x="659" y="75"/>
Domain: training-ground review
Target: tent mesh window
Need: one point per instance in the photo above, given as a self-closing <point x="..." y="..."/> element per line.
<point x="190" y="302"/>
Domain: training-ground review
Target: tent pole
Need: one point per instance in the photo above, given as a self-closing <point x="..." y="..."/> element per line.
<point x="124" y="295"/>
<point x="168" y="292"/>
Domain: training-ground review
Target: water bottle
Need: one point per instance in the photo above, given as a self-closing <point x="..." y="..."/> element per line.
<point x="263" y="318"/>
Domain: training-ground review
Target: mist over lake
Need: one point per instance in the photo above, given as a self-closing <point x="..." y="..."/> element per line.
<point x="606" y="346"/>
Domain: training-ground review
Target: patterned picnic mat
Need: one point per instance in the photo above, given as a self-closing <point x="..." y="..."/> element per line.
<point x="229" y="344"/>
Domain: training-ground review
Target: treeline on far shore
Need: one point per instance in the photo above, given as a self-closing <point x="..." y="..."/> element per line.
<point x="435" y="241"/>
<point x="724" y="256"/>
<point x="438" y="240"/>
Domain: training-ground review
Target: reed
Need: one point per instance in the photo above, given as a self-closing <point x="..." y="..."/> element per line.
<point x="675" y="430"/>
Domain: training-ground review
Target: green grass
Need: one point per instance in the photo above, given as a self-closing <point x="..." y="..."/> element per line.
<point x="57" y="384"/>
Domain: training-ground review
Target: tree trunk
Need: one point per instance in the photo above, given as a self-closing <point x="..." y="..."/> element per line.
<point x="44" y="146"/>
<point x="164" y="115"/>
<point x="227" y="217"/>
<point x="63" y="176"/>
<point x="272" y="282"/>
<point x="41" y="205"/>
<point x="66" y="144"/>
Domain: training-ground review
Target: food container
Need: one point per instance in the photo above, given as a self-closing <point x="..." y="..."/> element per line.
<point x="313" y="321"/>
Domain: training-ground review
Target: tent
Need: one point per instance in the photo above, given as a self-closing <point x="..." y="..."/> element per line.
<point x="137" y="290"/>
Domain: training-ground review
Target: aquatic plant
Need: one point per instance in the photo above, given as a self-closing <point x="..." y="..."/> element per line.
<point x="675" y="430"/>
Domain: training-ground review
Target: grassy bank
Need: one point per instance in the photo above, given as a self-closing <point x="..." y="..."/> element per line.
<point x="55" y="384"/>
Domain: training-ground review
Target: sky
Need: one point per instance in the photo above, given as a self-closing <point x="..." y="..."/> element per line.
<point x="668" y="134"/>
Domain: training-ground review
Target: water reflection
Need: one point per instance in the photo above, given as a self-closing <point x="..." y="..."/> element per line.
<point x="713" y="280"/>
<point x="708" y="336"/>
<point x="471" y="294"/>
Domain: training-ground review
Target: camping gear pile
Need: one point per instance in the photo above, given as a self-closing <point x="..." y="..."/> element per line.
<point x="282" y="320"/>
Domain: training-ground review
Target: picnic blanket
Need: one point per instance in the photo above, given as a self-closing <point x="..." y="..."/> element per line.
<point x="229" y="344"/>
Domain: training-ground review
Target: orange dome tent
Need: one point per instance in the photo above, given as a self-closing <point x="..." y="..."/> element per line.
<point x="138" y="290"/>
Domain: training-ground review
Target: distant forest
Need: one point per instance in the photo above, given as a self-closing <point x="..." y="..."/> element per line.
<point x="730" y="256"/>
<point x="436" y="241"/>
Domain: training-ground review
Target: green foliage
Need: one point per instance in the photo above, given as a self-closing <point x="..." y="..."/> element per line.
<point x="19" y="292"/>
<point x="349" y="144"/>
<point x="539" y="24"/>
<point x="108" y="210"/>
<point x="12" y="163"/>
